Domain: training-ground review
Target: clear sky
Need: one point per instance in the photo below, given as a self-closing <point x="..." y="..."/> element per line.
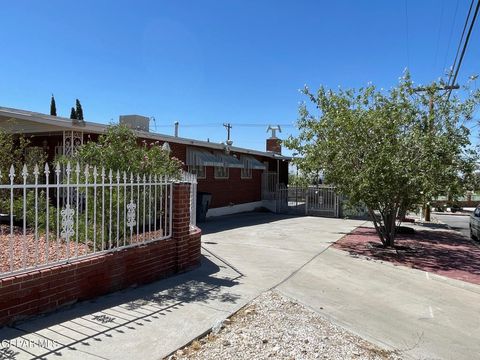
<point x="207" y="62"/>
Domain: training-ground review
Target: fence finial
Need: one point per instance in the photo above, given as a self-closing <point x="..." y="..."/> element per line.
<point x="47" y="169"/>
<point x="11" y="174"/>
<point x="24" y="171"/>
<point x="36" y="172"/>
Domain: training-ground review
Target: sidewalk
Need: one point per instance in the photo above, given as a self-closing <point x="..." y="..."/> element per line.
<point x="149" y="321"/>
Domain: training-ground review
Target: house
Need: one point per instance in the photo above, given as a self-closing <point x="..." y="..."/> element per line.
<point x="239" y="179"/>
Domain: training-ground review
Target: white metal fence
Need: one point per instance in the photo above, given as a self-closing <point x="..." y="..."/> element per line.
<point x="51" y="216"/>
<point x="192" y="180"/>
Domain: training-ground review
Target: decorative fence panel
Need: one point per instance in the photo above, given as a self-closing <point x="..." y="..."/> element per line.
<point x="52" y="216"/>
<point x="192" y="180"/>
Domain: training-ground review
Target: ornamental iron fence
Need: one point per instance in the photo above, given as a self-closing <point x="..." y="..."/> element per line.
<point x="50" y="216"/>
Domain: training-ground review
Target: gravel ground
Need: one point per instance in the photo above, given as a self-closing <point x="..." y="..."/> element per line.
<point x="435" y="250"/>
<point x="29" y="252"/>
<point x="275" y="327"/>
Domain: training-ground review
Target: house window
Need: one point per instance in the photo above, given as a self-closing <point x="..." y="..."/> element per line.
<point x="246" y="171"/>
<point x="197" y="170"/>
<point x="221" y="172"/>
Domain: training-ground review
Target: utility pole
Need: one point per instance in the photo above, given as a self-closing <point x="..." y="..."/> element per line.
<point x="431" y="116"/>
<point x="228" y="126"/>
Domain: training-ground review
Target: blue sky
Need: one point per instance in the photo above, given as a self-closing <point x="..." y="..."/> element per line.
<point x="207" y="62"/>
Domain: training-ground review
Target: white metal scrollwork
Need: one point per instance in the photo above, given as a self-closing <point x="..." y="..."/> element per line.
<point x="131" y="207"/>
<point x="72" y="140"/>
<point x="67" y="222"/>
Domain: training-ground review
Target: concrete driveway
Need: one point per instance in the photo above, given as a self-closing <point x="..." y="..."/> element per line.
<point x="426" y="316"/>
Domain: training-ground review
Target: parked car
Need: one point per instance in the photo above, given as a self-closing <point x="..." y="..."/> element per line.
<point x="455" y="207"/>
<point x="475" y="224"/>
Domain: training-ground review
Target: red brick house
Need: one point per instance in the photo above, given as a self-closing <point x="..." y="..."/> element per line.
<point x="239" y="179"/>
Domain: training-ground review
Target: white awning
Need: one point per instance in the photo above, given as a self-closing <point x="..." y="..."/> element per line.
<point x="253" y="163"/>
<point x="197" y="157"/>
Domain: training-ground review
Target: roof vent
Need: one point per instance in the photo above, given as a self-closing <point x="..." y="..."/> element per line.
<point x="135" y="122"/>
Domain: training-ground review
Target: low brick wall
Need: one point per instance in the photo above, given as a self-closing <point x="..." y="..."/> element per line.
<point x="44" y="290"/>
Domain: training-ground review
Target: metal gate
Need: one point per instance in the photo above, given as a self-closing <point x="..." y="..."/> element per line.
<point x="313" y="200"/>
<point x="322" y="201"/>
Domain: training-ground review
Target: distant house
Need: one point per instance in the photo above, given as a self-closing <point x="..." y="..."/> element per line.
<point x="239" y="179"/>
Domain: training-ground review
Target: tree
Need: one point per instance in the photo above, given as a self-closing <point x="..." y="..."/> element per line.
<point x="53" y="107"/>
<point x="73" y="114"/>
<point x="387" y="149"/>
<point x="78" y="110"/>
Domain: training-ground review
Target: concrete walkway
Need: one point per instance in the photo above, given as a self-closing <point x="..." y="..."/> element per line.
<point x="430" y="316"/>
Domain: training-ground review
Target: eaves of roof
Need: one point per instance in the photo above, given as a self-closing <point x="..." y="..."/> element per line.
<point x="97" y="128"/>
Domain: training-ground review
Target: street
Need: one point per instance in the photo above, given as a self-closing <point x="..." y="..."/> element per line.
<point x="456" y="222"/>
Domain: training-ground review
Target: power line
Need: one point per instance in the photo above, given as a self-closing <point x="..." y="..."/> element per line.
<point x="210" y="125"/>
<point x="460" y="42"/>
<point x="465" y="45"/>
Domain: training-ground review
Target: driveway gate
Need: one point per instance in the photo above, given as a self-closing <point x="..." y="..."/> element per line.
<point x="319" y="200"/>
<point x="322" y="201"/>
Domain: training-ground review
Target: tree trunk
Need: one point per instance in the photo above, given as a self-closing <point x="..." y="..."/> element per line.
<point x="389" y="225"/>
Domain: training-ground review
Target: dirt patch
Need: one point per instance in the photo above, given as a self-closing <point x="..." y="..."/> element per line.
<point x="275" y="327"/>
<point x="24" y="251"/>
<point x="442" y="252"/>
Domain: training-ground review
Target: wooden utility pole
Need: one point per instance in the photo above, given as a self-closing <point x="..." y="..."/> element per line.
<point x="228" y="126"/>
<point x="431" y="116"/>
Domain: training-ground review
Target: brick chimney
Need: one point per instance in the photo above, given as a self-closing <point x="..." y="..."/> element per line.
<point x="274" y="143"/>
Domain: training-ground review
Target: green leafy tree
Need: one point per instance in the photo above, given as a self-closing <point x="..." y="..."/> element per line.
<point x="53" y="107"/>
<point x="15" y="150"/>
<point x="73" y="114"/>
<point x="78" y="110"/>
<point x="387" y="149"/>
<point x="12" y="149"/>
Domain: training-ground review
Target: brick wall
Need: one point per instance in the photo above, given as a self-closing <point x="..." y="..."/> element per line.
<point x="47" y="289"/>
<point x="233" y="190"/>
<point x="274" y="145"/>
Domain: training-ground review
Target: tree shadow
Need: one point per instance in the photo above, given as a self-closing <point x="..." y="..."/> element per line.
<point x="438" y="251"/>
<point x="100" y="319"/>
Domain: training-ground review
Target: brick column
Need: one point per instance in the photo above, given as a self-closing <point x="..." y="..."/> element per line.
<point x="187" y="240"/>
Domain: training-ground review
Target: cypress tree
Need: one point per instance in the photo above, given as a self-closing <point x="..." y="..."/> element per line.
<point x="53" y="107"/>
<point x="78" y="110"/>
<point x="73" y="113"/>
